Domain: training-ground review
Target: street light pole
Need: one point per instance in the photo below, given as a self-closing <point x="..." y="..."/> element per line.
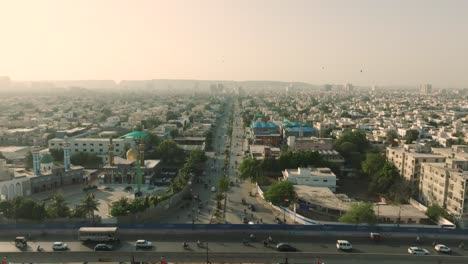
<point x="207" y="259"/>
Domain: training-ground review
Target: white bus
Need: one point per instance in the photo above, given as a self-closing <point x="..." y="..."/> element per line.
<point x="98" y="234"/>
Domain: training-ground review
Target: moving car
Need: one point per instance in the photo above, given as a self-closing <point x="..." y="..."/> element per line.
<point x="59" y="246"/>
<point x="285" y="247"/>
<point x="375" y="236"/>
<point x="343" y="245"/>
<point x="418" y="251"/>
<point x="251" y="208"/>
<point x="442" y="249"/>
<point x="143" y="244"/>
<point x="103" y="247"/>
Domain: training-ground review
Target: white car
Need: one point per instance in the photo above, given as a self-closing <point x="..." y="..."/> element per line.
<point x="442" y="249"/>
<point x="59" y="246"/>
<point x="213" y="189"/>
<point x="143" y="244"/>
<point x="418" y="251"/>
<point x="343" y="245"/>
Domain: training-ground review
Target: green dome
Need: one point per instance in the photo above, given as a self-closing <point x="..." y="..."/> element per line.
<point x="47" y="158"/>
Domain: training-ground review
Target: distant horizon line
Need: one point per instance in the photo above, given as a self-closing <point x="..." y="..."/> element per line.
<point x="117" y="82"/>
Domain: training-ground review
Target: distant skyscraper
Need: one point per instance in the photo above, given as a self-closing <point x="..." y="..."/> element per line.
<point x="349" y="87"/>
<point x="425" y="89"/>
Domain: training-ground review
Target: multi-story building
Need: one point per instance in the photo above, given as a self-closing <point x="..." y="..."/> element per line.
<point x="425" y="89"/>
<point x="265" y="134"/>
<point x="408" y="160"/>
<point x="445" y="186"/>
<point x="318" y="177"/>
<point x="98" y="146"/>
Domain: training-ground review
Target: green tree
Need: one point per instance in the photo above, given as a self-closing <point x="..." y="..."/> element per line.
<point x="435" y="212"/>
<point x="281" y="193"/>
<point x="411" y="135"/>
<point x="57" y="154"/>
<point x="250" y="169"/>
<point x="7" y="208"/>
<point x="357" y="138"/>
<point x="25" y="208"/>
<point x="392" y="136"/>
<point x="360" y="213"/>
<point x="89" y="205"/>
<point x="373" y="164"/>
<point x="382" y="182"/>
<point x="170" y="152"/>
<point x="87" y="160"/>
<point x="223" y="184"/>
<point x="58" y="207"/>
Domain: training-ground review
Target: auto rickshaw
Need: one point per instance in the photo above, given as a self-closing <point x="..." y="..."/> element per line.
<point x="20" y="242"/>
<point x="375" y="237"/>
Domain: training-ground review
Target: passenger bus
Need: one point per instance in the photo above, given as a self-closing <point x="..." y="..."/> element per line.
<point x="98" y="234"/>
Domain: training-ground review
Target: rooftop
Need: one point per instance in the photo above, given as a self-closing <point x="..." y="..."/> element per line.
<point x="260" y="125"/>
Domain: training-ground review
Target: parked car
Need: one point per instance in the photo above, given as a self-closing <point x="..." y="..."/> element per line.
<point x="103" y="247"/>
<point x="418" y="251"/>
<point x="213" y="189"/>
<point x="143" y="244"/>
<point x="442" y="249"/>
<point x="59" y="246"/>
<point x="343" y="245"/>
<point x="283" y="247"/>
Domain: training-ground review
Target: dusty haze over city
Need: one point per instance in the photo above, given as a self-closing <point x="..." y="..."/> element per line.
<point x="363" y="42"/>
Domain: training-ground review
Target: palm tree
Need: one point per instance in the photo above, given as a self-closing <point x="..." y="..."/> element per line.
<point x="89" y="205"/>
<point x="58" y="207"/>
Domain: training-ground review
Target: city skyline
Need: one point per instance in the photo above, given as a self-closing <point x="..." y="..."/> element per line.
<point x="318" y="42"/>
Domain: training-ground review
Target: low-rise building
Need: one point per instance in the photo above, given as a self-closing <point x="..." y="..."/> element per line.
<point x="319" y="177"/>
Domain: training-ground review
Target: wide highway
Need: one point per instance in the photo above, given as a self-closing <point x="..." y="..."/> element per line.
<point x="228" y="247"/>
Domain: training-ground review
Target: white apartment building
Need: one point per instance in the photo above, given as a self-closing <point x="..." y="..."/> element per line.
<point x="98" y="146"/>
<point x="318" y="177"/>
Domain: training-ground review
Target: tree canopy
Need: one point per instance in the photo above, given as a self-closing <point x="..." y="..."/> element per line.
<point x="281" y="193"/>
<point x="87" y="160"/>
<point x="170" y="153"/>
<point x="411" y="135"/>
<point x="435" y="212"/>
<point x="360" y="213"/>
<point x="352" y="145"/>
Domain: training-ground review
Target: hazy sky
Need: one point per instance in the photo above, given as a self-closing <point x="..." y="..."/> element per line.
<point x="393" y="42"/>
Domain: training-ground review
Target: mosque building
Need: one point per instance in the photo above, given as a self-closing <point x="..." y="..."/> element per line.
<point x="125" y="170"/>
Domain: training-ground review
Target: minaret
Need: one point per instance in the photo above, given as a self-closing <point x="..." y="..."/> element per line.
<point x="111" y="153"/>
<point x="142" y="154"/>
<point x="66" y="154"/>
<point x="36" y="159"/>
